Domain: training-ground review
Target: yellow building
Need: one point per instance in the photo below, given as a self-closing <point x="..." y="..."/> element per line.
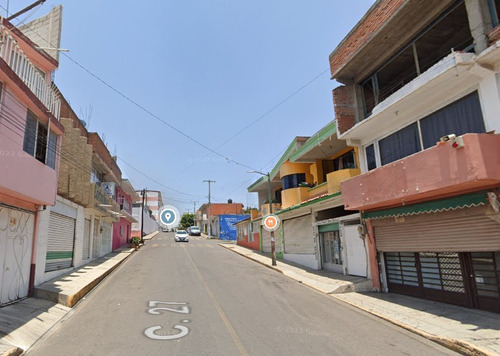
<point x="316" y="231"/>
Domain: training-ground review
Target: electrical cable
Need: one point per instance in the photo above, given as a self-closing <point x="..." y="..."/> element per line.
<point x="183" y="133"/>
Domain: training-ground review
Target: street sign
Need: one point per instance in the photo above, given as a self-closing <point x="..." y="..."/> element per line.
<point x="271" y="222"/>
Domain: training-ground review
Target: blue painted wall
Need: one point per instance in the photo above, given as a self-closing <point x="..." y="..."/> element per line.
<point x="226" y="224"/>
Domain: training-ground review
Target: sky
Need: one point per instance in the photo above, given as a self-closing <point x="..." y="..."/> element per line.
<point x="193" y="90"/>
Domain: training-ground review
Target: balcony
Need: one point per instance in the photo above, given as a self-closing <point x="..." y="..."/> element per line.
<point x="24" y="178"/>
<point x="335" y="178"/>
<point x="264" y="208"/>
<point x="17" y="60"/>
<point x="438" y="172"/>
<point x="103" y="203"/>
<point x="299" y="195"/>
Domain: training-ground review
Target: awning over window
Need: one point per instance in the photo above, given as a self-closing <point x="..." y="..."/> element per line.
<point x="459" y="202"/>
<point x="328" y="227"/>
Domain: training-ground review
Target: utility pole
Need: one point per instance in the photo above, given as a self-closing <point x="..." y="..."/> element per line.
<point x="143" y="193"/>
<point x="209" y="222"/>
<point x="269" y="195"/>
<point x="194" y="213"/>
<point x="28" y="8"/>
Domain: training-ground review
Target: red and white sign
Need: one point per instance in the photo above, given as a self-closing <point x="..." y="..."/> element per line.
<point x="271" y="223"/>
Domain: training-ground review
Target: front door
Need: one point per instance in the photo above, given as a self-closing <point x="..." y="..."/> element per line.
<point x="483" y="270"/>
<point x="331" y="251"/>
<point x="16" y="239"/>
<point x="357" y="264"/>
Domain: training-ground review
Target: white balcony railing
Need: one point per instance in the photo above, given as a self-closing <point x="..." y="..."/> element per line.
<point x="12" y="54"/>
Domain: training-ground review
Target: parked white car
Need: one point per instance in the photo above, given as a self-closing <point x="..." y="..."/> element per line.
<point x="194" y="231"/>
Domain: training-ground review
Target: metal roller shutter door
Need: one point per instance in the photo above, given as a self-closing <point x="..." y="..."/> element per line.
<point x="298" y="235"/>
<point x="266" y="241"/>
<point x="442" y="232"/>
<point x="60" y="242"/>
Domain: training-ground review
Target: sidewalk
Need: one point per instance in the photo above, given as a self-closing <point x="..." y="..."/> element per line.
<point x="469" y="331"/>
<point x="23" y="323"/>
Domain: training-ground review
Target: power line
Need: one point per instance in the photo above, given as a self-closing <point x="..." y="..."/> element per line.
<point x="189" y="137"/>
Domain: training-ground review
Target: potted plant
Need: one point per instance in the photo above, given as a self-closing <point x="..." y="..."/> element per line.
<point x="134" y="242"/>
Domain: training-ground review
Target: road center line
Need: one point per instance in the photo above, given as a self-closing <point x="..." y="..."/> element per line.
<point x="222" y="315"/>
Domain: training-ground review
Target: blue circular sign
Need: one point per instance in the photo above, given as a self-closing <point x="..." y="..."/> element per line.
<point x="169" y="216"/>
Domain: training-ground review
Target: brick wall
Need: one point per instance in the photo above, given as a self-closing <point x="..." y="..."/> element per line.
<point x="375" y="18"/>
<point x="67" y="111"/>
<point x="75" y="165"/>
<point x="344" y="107"/>
<point x="102" y="151"/>
<point x="46" y="31"/>
<point x="222" y="209"/>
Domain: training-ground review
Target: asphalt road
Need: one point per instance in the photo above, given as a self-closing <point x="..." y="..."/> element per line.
<point x="198" y="298"/>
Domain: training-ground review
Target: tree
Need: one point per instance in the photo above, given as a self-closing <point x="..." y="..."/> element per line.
<point x="249" y="210"/>
<point x="187" y="220"/>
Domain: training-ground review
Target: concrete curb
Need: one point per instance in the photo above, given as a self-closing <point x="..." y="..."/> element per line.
<point x="248" y="257"/>
<point x="452" y="344"/>
<point x="151" y="235"/>
<point x="13" y="351"/>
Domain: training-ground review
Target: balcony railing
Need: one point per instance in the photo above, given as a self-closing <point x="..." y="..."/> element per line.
<point x="264" y="208"/>
<point x="17" y="60"/>
<point x="445" y="170"/>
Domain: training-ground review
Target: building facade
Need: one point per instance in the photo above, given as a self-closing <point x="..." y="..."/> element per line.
<point x="420" y="100"/>
<point x="122" y="229"/>
<point x="30" y="139"/>
<point x="145" y="211"/>
<point x="316" y="231"/>
<point x="92" y="214"/>
<point x="207" y="216"/>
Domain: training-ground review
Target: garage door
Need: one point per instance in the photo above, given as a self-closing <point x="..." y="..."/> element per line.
<point x="266" y="241"/>
<point x="298" y="235"/>
<point x="453" y="231"/>
<point x="60" y="243"/>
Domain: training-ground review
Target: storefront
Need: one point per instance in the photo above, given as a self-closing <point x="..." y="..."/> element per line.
<point x="298" y="239"/>
<point x="447" y="251"/>
<point x="60" y="242"/>
<point x="342" y="248"/>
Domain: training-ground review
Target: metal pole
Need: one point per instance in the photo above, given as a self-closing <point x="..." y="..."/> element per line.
<point x="194" y="214"/>
<point x="269" y="193"/>
<point x="209" y="222"/>
<point x="143" y="193"/>
<point x="273" y="243"/>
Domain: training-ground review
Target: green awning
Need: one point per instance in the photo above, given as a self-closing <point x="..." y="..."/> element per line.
<point x="459" y="202"/>
<point x="328" y="227"/>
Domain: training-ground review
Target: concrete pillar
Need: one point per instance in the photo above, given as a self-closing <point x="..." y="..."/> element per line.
<point x="478" y="13"/>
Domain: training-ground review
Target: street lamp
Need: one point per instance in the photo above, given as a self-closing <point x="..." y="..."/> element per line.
<point x="273" y="243"/>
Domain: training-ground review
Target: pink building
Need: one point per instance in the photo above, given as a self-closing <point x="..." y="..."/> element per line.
<point x="421" y="105"/>
<point x="29" y="155"/>
<point x="122" y="230"/>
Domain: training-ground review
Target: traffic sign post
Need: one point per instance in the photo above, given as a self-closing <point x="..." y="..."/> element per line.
<point x="271" y="223"/>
